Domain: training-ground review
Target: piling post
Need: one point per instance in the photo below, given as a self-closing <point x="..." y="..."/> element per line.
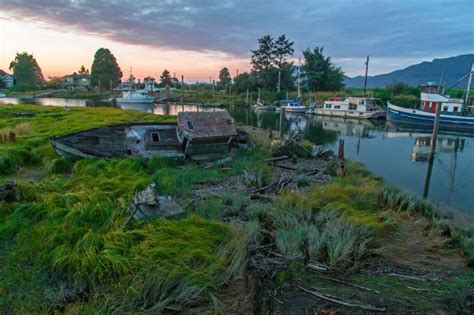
<point x="282" y="121"/>
<point x="247" y="98"/>
<point x="340" y="159"/>
<point x="434" y="136"/>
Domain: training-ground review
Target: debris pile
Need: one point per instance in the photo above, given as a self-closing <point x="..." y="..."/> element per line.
<point x="149" y="204"/>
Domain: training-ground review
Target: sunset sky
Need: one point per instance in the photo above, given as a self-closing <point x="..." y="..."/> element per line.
<point x="197" y="38"/>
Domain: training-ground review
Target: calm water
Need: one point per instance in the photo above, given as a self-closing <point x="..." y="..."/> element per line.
<point x="398" y="154"/>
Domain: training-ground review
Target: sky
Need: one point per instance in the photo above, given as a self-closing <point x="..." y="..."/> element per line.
<point x="196" y="38"/>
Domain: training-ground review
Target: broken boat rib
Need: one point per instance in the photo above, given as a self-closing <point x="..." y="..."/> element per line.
<point x="198" y="135"/>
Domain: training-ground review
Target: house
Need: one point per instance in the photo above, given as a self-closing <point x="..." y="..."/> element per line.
<point x="205" y="135"/>
<point x="7" y="79"/>
<point x="77" y="81"/>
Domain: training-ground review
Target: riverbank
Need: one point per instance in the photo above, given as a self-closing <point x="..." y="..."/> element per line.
<point x="64" y="246"/>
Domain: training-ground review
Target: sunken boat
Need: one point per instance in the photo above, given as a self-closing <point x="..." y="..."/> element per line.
<point x="197" y="135"/>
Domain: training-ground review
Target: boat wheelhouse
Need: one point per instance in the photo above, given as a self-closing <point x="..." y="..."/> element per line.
<point x="351" y="107"/>
<point x="205" y="134"/>
<point x="294" y="106"/>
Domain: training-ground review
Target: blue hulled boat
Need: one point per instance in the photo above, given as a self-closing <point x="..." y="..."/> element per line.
<point x="454" y="112"/>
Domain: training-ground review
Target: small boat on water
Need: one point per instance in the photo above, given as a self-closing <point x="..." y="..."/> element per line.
<point x="294" y="106"/>
<point x="351" y="107"/>
<point x="262" y="107"/>
<point x="453" y="116"/>
<point x="197" y="135"/>
<point x="138" y="96"/>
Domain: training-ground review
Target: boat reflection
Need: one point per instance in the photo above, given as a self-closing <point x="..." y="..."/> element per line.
<point x="168" y="109"/>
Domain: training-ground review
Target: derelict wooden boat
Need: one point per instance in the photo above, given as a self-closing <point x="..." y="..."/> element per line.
<point x="137" y="140"/>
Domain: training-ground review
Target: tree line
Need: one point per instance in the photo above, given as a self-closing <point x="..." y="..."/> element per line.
<point x="272" y="70"/>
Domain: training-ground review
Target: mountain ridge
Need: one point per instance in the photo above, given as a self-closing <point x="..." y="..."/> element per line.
<point x="451" y="68"/>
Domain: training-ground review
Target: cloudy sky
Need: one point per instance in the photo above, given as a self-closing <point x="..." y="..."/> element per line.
<point x="197" y="38"/>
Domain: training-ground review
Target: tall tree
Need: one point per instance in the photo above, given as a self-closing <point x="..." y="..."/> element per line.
<point x="26" y="70"/>
<point x="224" y="77"/>
<point x="282" y="50"/>
<point x="83" y="70"/>
<point x="263" y="57"/>
<point x="321" y="73"/>
<point x="165" y="79"/>
<point x="149" y="79"/>
<point x="270" y="62"/>
<point x="105" y="69"/>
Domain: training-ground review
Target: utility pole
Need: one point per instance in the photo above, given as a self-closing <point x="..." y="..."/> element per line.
<point x="366" y="72"/>
<point x="279" y="79"/>
<point x="182" y="88"/>
<point x="299" y="77"/>
<point x="213" y="89"/>
<point x="247" y="98"/>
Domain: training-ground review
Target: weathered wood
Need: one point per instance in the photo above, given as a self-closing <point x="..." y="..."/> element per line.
<point x="276" y="159"/>
<point x="333" y="299"/>
<point x="340" y="159"/>
<point x="284" y="167"/>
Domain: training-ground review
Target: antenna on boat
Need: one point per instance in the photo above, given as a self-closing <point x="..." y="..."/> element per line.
<point x="366" y="72"/>
<point x="468" y="89"/>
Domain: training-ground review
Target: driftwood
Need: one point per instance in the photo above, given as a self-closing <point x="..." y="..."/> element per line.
<point x="220" y="162"/>
<point x="340" y="159"/>
<point x="284" y="167"/>
<point x="276" y="159"/>
<point x="336" y="300"/>
<point x="9" y="192"/>
<point x="350" y="284"/>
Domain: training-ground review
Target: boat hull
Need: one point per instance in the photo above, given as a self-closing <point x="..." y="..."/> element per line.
<point x="295" y="109"/>
<point x="399" y="114"/>
<point x="135" y="101"/>
<point x="349" y="113"/>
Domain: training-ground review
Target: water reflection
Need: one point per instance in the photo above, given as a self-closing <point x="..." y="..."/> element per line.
<point x="397" y="153"/>
<point x="167" y="109"/>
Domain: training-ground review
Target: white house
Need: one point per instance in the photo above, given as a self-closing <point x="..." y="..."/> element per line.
<point x="7" y="79"/>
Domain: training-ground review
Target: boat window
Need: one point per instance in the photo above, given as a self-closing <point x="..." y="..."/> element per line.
<point x="455" y="109"/>
<point x="328" y="105"/>
<point x="155" y="137"/>
<point x="337" y="106"/>
<point x="229" y="122"/>
<point x="445" y="108"/>
<point x="352" y="106"/>
<point x="190" y="125"/>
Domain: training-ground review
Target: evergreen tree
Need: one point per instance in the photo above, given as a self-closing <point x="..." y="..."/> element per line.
<point x="105" y="69"/>
<point x="262" y="59"/>
<point x="165" y="79"/>
<point x="26" y="70"/>
<point x="322" y="74"/>
<point x="224" y="77"/>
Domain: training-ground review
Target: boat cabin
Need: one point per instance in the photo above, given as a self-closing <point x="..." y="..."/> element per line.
<point x="205" y="134"/>
<point x="360" y="104"/>
<point x="431" y="95"/>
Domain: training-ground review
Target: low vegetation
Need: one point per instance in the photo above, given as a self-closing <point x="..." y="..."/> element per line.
<point x="65" y="247"/>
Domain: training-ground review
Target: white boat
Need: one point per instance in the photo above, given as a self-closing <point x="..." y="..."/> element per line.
<point x="3" y="95"/>
<point x="138" y="96"/>
<point x="351" y="107"/>
<point x="294" y="106"/>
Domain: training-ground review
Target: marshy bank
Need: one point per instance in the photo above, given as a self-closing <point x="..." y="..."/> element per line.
<point x="258" y="235"/>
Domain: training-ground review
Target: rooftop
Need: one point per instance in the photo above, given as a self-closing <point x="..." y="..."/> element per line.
<point x="200" y="125"/>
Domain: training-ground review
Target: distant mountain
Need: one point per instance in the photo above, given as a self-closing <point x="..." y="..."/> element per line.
<point x="453" y="68"/>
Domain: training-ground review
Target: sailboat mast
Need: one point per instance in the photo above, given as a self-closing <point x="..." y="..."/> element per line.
<point x="468" y="90"/>
<point x="299" y="76"/>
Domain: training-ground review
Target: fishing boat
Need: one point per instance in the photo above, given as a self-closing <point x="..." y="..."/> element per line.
<point x="351" y="107"/>
<point x="453" y="116"/>
<point x="138" y="96"/>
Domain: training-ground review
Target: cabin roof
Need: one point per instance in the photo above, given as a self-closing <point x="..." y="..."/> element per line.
<point x="202" y="125"/>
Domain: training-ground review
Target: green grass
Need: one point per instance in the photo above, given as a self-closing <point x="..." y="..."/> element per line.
<point x="64" y="246"/>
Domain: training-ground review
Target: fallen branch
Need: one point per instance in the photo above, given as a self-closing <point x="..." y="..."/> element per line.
<point x="341" y="302"/>
<point x="351" y="284"/>
<point x="284" y="167"/>
<point x="276" y="159"/>
<point x="406" y="277"/>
